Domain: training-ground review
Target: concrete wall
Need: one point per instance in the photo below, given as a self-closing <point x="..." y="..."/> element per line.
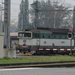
<point x="11" y="53"/>
<point x="6" y="52"/>
<point x="1" y="45"/>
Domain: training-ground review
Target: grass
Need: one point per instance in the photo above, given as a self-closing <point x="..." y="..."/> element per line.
<point x="37" y="59"/>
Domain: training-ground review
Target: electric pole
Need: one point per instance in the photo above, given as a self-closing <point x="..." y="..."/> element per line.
<point x="1" y="26"/>
<point x="7" y="23"/>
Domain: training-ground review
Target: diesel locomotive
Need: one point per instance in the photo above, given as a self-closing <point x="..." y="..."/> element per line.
<point x="45" y="41"/>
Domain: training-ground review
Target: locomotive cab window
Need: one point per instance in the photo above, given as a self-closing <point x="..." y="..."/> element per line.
<point x="24" y="34"/>
<point x="27" y="34"/>
<point x="20" y="34"/>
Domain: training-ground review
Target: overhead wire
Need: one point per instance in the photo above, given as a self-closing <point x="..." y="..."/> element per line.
<point x="15" y="4"/>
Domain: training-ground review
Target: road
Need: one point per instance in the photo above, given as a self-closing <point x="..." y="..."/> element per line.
<point x="38" y="71"/>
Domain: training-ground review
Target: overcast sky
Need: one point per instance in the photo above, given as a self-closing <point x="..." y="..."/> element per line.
<point x="15" y="7"/>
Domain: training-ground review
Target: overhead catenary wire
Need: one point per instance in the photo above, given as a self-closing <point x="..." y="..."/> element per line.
<point x="15" y="4"/>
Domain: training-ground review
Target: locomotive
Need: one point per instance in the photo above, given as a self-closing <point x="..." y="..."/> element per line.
<point x="45" y="41"/>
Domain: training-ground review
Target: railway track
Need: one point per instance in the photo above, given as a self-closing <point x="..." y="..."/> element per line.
<point x="41" y="64"/>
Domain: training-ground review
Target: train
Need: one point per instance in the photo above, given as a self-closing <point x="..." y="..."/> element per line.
<point x="45" y="41"/>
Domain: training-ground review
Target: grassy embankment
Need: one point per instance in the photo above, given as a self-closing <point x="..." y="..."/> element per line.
<point x="37" y="59"/>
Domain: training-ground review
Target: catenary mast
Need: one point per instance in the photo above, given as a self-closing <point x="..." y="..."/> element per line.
<point x="7" y="23"/>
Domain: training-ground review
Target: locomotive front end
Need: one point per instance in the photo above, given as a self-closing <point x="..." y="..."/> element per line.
<point x="24" y="37"/>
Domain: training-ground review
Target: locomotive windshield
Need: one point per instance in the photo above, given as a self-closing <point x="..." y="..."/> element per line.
<point x="24" y="34"/>
<point x="27" y="34"/>
<point x="20" y="35"/>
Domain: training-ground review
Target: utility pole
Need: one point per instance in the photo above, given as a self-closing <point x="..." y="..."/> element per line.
<point x="1" y="26"/>
<point x="7" y="23"/>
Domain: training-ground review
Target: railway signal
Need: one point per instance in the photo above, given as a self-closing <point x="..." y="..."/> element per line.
<point x="70" y="38"/>
<point x="69" y="35"/>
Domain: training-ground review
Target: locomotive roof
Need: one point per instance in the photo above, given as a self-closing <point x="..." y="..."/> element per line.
<point x="39" y="31"/>
<point x="63" y="31"/>
<point x="50" y="30"/>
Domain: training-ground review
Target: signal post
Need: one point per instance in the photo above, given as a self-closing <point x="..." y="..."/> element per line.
<point x="74" y="44"/>
<point x="70" y="33"/>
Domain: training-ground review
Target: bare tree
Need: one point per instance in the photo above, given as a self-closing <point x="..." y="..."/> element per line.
<point x="50" y="14"/>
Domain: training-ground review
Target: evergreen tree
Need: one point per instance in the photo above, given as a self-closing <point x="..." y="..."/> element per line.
<point x="20" y="17"/>
<point x="23" y="18"/>
<point x="26" y="15"/>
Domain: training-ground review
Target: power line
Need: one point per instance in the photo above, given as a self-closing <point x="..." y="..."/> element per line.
<point x="15" y="4"/>
<point x="12" y="3"/>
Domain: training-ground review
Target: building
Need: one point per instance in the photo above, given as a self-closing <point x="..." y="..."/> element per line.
<point x="14" y="39"/>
